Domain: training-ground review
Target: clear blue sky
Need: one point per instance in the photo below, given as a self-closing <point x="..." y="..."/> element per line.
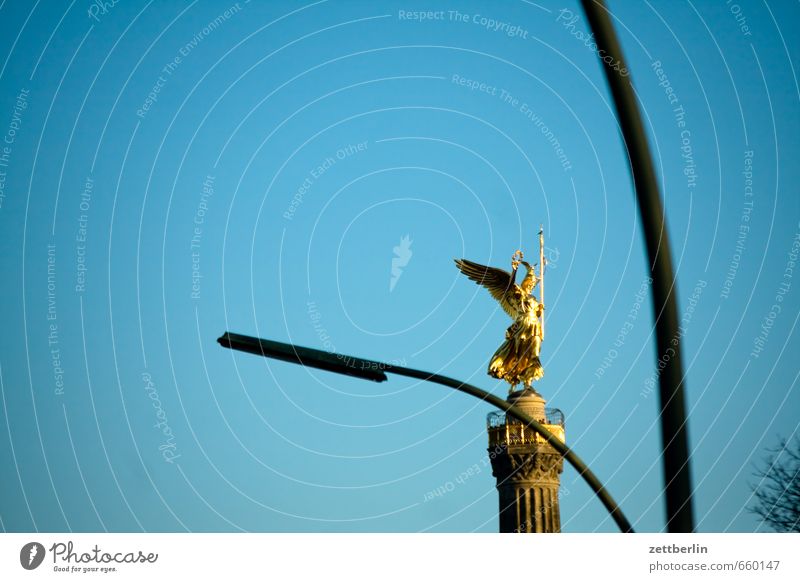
<point x="182" y="171"/>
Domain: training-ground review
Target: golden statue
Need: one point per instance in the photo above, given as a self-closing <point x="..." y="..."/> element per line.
<point x="517" y="359"/>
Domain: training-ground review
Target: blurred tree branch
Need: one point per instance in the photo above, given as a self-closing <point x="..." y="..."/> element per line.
<point x="778" y="490"/>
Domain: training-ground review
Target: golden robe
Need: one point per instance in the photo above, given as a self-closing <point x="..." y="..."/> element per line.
<point x="517" y="359"/>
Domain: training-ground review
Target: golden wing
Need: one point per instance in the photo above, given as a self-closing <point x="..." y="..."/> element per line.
<point x="500" y="283"/>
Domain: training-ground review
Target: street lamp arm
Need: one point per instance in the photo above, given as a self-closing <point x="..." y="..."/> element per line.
<point x="374" y="370"/>
<point x="573" y="459"/>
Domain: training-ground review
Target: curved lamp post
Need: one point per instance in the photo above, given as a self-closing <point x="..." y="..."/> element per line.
<point x="677" y="478"/>
<point x="376" y="371"/>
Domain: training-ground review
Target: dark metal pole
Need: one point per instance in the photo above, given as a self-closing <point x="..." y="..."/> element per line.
<point x="678" y="488"/>
<point x="373" y="370"/>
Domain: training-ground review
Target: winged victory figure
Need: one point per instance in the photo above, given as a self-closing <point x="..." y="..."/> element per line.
<point x="517" y="359"/>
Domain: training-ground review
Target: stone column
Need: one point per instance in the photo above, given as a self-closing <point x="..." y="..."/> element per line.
<point x="527" y="470"/>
